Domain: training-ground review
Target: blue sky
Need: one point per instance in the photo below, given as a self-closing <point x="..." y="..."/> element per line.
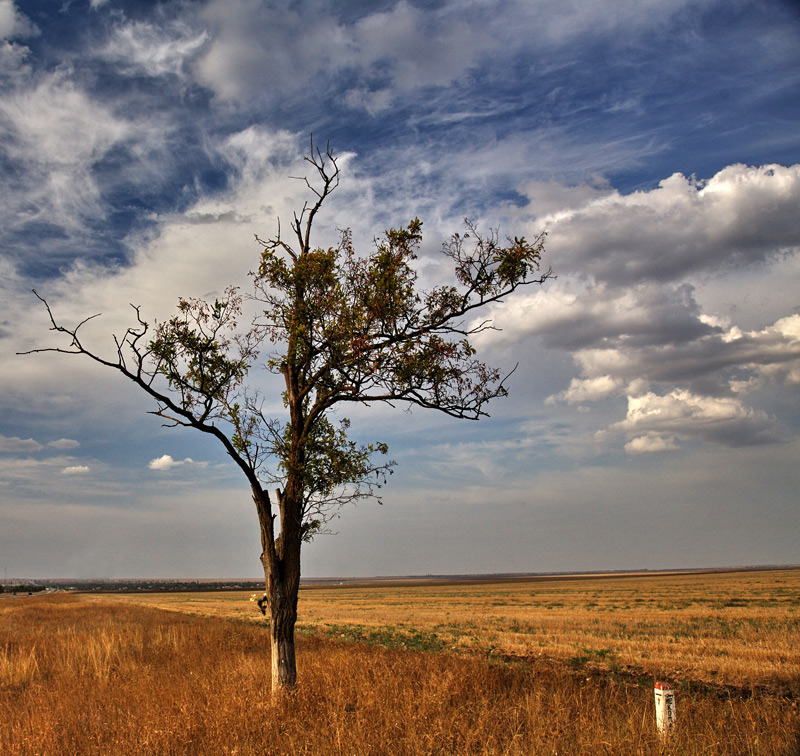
<point x="654" y="417"/>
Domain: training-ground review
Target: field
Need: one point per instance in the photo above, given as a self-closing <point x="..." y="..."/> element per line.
<point x="527" y="667"/>
<point x="737" y="629"/>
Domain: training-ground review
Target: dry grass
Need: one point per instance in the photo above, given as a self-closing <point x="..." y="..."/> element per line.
<point x="99" y="677"/>
<point x="737" y="629"/>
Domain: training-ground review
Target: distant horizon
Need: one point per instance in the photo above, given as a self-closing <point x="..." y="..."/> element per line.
<point x="413" y="577"/>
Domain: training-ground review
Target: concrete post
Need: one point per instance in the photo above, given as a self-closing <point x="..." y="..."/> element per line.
<point x="665" y="708"/>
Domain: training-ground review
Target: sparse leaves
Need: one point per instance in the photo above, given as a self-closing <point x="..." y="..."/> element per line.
<point x="358" y="330"/>
<point x="339" y="328"/>
<point x="203" y="356"/>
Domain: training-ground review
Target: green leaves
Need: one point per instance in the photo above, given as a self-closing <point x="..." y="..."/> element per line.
<point x="343" y="328"/>
<point x="358" y="329"/>
<point x="338" y="327"/>
<point x="201" y="354"/>
<point x="331" y="460"/>
<point x="489" y="270"/>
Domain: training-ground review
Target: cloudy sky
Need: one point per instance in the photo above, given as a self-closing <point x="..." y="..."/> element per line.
<point x="654" y="419"/>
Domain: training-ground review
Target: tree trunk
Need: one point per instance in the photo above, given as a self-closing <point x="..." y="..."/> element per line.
<point x="281" y="560"/>
<point x="283" y="615"/>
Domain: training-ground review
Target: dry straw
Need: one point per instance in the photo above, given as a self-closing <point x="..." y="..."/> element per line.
<point x="96" y="677"/>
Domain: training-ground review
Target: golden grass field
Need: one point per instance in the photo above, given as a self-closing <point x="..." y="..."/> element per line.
<point x="530" y="667"/>
<point x="728" y="628"/>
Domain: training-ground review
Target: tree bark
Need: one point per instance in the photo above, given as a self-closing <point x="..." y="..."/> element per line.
<point x="283" y="615"/>
<point x="281" y="560"/>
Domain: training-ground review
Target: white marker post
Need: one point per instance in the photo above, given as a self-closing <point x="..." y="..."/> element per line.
<point x="665" y="708"/>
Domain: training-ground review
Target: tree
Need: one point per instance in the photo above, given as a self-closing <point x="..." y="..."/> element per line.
<point x="339" y="329"/>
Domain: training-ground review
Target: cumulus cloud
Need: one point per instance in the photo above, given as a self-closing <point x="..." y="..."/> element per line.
<point x="574" y="315"/>
<point x="701" y="385"/>
<point x="741" y="216"/>
<point x="64" y="443"/>
<point x="588" y="389"/>
<point x="767" y="351"/>
<point x="651" y="442"/>
<point x="14" y="444"/>
<point x="635" y="317"/>
<point x="681" y="414"/>
<point x="166" y="462"/>
<point x="75" y="470"/>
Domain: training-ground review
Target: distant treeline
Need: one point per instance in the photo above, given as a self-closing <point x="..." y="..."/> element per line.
<point x="21" y="588"/>
<point x="128" y="586"/>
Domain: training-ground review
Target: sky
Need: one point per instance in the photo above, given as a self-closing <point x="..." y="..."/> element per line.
<point x="653" y="420"/>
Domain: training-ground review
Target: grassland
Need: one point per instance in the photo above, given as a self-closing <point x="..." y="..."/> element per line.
<point x="737" y="629"/>
<point x="515" y="668"/>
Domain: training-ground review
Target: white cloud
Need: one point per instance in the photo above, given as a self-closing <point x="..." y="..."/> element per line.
<point x="588" y="389"/>
<point x="75" y="470"/>
<point x="166" y="462"/>
<point x="681" y="414"/>
<point x="574" y="314"/>
<point x="423" y="48"/>
<point x="741" y="216"/>
<point x="14" y="444"/>
<point x="770" y="350"/>
<point x="371" y="101"/>
<point x="153" y="50"/>
<point x="386" y="53"/>
<point x="391" y="50"/>
<point x="620" y="329"/>
<point x="253" y="44"/>
<point x="787" y="373"/>
<point x="632" y="319"/>
<point x="554" y="200"/>
<point x="55" y="133"/>
<point x="14" y="66"/>
<point x="181" y="259"/>
<point x="36" y="475"/>
<point x="789" y="327"/>
<point x="13" y="23"/>
<point x="64" y="443"/>
<point x="60" y="123"/>
<point x="696" y="389"/>
<point x="651" y="443"/>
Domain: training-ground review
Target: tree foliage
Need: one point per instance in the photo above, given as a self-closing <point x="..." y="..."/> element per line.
<point x="339" y="328"/>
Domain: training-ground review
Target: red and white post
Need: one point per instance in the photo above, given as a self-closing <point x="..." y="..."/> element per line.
<point x="665" y="708"/>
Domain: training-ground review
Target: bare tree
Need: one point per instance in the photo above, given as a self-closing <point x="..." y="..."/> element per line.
<point x="339" y="329"/>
